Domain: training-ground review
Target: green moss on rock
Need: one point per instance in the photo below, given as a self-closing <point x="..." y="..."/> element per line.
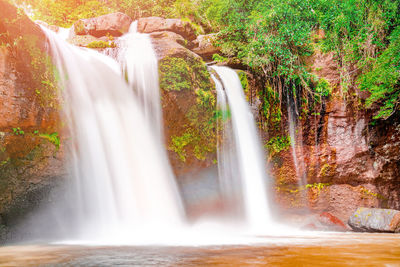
<point x="188" y="92"/>
<point x="243" y="80"/>
<point x="178" y="74"/>
<point x="101" y="44"/>
<point x="174" y="74"/>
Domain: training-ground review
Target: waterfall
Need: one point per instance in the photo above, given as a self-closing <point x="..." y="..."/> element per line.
<point x="64" y="33"/>
<point x="122" y="184"/>
<point x="297" y="144"/>
<point x="140" y="67"/>
<point x="249" y="164"/>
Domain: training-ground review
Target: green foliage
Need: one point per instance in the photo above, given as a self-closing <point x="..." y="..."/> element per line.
<point x="174" y="73"/>
<point x="52" y="138"/>
<point x="101" y="44"/>
<point x="358" y="31"/>
<point x="189" y="141"/>
<point x="191" y="75"/>
<point x="277" y="144"/>
<point x="243" y="80"/>
<point x="219" y="58"/>
<point x="178" y="74"/>
<point x="4" y="162"/>
<point x="18" y="131"/>
<point x="222" y="115"/>
<point x="272" y="39"/>
<point x="271" y="108"/>
<point x="205" y="98"/>
<point x="45" y="73"/>
<point x="65" y="13"/>
<point x="323" y="88"/>
<point x="179" y="143"/>
<point x="383" y="80"/>
<point x="317" y="186"/>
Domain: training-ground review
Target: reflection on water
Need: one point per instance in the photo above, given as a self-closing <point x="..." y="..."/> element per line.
<point x="333" y="250"/>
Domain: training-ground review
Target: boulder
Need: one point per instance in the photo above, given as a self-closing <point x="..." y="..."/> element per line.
<point x="171" y="36"/>
<point x="157" y="24"/>
<point x="115" y="24"/>
<point x="204" y="46"/>
<point x="188" y="102"/>
<point x="375" y="220"/>
<point x="170" y="44"/>
<point x="54" y="28"/>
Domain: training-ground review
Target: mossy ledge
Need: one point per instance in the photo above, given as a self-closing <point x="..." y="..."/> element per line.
<point x="189" y="106"/>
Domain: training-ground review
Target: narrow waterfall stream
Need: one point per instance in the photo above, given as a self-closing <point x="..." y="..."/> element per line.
<point x="228" y="162"/>
<point x="140" y="67"/>
<point x="122" y="182"/>
<point x="251" y="165"/>
<point x="297" y="148"/>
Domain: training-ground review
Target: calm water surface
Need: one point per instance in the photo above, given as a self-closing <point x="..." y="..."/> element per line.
<point x="326" y="250"/>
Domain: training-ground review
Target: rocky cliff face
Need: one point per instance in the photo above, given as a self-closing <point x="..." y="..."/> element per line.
<point x="31" y="156"/>
<point x="188" y="101"/>
<point x="349" y="159"/>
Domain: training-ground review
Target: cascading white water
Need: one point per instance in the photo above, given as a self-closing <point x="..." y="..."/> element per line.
<point x="123" y="183"/>
<point x="251" y="163"/>
<point x="228" y="162"/>
<point x="297" y="144"/>
<point x="64" y="33"/>
<point x="140" y="68"/>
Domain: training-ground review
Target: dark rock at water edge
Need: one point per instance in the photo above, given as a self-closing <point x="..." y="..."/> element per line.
<point x="375" y="220"/>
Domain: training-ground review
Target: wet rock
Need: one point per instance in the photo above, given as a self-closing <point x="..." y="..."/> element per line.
<point x="343" y="147"/>
<point x="29" y="109"/>
<point x="83" y="40"/>
<point x="325" y="222"/>
<point x="157" y="24"/>
<point x="45" y="24"/>
<point x="170" y="44"/>
<point x="115" y="24"/>
<point x="204" y="46"/>
<point x="188" y="102"/>
<point x="342" y="200"/>
<point x="325" y="66"/>
<point x="331" y="222"/>
<point x="375" y="220"/>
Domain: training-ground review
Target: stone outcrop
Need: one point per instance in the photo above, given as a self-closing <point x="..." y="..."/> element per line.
<point x="375" y="220"/>
<point x="115" y="24"/>
<point x="170" y="44"/>
<point x="349" y="159"/>
<point x="352" y="162"/>
<point x="31" y="145"/>
<point x="157" y="24"/>
<point x="204" y="46"/>
<point x="188" y="102"/>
